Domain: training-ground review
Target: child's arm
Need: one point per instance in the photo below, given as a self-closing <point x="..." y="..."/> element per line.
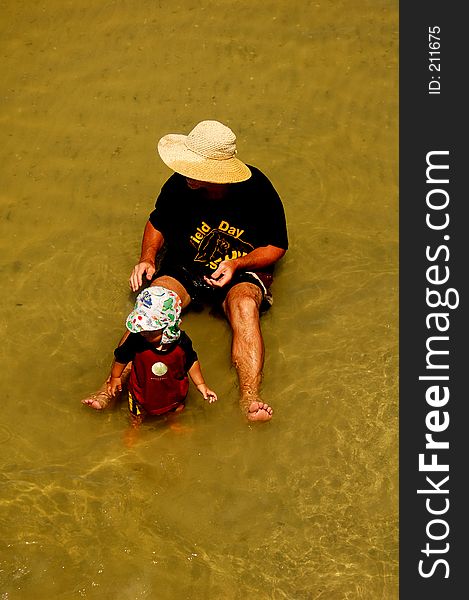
<point x="195" y="374"/>
<point x="114" y="383"/>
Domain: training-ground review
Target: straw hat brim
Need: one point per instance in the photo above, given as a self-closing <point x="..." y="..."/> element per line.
<point x="174" y="153"/>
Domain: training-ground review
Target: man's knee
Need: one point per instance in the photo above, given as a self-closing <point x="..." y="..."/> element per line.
<point x="242" y="303"/>
<point x="173" y="284"/>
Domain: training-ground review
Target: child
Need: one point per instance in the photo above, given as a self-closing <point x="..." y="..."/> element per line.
<point x="161" y="354"/>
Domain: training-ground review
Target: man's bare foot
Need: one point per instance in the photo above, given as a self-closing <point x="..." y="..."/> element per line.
<point x="99" y="400"/>
<point x="259" y="411"/>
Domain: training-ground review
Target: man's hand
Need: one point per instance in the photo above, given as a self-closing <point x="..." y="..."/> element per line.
<point x="136" y="277"/>
<point x="223" y="275"/>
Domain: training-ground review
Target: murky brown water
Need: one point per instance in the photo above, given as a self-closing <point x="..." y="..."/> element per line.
<point x="302" y="508"/>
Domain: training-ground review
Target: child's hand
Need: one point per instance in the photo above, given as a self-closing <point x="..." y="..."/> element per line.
<point x="207" y="393"/>
<point x="114" y="386"/>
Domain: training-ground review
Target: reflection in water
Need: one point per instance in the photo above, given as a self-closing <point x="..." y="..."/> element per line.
<point x="304" y="507"/>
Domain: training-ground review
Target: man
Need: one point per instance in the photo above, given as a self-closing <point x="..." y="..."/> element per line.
<point x="219" y="226"/>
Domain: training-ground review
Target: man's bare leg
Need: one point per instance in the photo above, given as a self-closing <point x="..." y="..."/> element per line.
<point x="173" y="284"/>
<point x="247" y="351"/>
<point x="101" y="399"/>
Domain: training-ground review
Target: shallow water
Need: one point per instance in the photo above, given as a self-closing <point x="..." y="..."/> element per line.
<point x="304" y="507"/>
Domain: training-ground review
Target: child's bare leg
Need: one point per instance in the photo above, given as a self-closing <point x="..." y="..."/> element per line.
<point x="101" y="399"/>
<point x="136" y="420"/>
<point x="131" y="433"/>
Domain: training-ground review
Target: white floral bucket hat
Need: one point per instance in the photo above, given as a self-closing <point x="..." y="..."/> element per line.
<point x="156" y="308"/>
<point x="208" y="153"/>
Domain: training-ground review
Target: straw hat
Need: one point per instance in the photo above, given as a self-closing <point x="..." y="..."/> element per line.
<point x="208" y="153"/>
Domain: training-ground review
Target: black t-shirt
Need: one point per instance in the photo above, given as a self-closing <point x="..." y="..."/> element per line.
<point x="200" y="232"/>
<point x="135" y="342"/>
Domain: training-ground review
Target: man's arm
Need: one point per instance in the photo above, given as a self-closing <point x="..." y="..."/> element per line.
<point x="256" y="260"/>
<point x="151" y="244"/>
